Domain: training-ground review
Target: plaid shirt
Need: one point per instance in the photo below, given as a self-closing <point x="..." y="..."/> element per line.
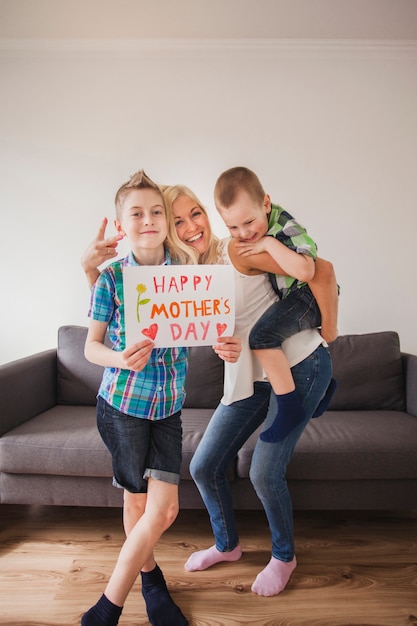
<point x="158" y="390"/>
<point x="283" y="227"/>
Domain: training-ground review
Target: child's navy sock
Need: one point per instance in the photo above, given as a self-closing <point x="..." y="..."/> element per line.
<point x="161" y="609"/>
<point x="325" y="401"/>
<point x="104" y="613"/>
<point x="290" y="413"/>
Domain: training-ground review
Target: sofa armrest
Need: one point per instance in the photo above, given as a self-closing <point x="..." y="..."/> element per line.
<point x="27" y="388"/>
<point x="410" y="372"/>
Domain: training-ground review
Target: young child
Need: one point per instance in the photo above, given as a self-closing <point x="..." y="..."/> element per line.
<point x="139" y="407"/>
<point x="262" y="227"/>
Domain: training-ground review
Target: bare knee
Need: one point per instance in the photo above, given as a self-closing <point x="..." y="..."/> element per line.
<point x="168" y="516"/>
<point x="134" y="505"/>
<point x="162" y="504"/>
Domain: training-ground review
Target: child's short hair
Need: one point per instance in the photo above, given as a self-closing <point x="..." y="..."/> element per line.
<point x="235" y="180"/>
<point x="139" y="180"/>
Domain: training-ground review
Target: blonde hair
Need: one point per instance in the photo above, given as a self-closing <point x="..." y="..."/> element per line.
<point x="233" y="181"/>
<point x="179" y="251"/>
<point x="172" y="193"/>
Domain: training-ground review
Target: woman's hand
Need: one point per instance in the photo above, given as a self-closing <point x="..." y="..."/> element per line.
<point x="99" y="251"/>
<point x="228" y="348"/>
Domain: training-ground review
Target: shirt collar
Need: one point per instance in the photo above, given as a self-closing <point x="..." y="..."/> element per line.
<point x="130" y="259"/>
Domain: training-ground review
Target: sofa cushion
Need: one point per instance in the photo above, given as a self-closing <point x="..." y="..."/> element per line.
<point x="78" y="379"/>
<point x="369" y="371"/>
<point x="357" y="445"/>
<point x="62" y="441"/>
<point x="351" y="445"/>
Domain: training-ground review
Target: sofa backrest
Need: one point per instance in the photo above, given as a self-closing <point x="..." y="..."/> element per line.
<point x="367" y="367"/>
<point x="369" y="371"/>
<point x="79" y="380"/>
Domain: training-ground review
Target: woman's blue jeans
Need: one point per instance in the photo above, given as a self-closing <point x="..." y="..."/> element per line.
<point x="229" y="428"/>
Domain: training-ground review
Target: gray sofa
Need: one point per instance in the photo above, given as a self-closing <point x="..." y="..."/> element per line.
<point x="361" y="454"/>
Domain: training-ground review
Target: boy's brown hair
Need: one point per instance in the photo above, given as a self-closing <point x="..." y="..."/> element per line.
<point x="231" y="182"/>
<point x="139" y="180"/>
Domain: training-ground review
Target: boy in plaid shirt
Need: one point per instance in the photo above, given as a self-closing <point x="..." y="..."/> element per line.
<point x="139" y="407"/>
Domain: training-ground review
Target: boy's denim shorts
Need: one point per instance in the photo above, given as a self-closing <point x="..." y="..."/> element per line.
<point x="140" y="448"/>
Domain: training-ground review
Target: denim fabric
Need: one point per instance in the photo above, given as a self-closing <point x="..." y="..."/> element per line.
<point x="270" y="460"/>
<point x="298" y="311"/>
<point x="229" y="427"/>
<point x="140" y="448"/>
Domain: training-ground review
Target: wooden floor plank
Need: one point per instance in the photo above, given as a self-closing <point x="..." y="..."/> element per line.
<point x="354" y="569"/>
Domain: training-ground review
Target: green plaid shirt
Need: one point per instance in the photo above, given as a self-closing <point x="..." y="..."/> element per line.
<point x="283" y="227"/>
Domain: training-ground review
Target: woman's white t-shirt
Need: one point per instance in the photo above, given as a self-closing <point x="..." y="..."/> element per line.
<point x="253" y="295"/>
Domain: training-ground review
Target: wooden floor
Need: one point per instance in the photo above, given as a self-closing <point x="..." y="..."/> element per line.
<point x="353" y="568"/>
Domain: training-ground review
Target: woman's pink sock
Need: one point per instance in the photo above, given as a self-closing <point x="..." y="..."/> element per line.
<point x="206" y="558"/>
<point x="274" y="578"/>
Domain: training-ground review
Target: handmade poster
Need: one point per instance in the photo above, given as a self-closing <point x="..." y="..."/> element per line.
<point x="178" y="305"/>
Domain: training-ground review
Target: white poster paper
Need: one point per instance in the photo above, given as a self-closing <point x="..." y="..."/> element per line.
<point x="178" y="305"/>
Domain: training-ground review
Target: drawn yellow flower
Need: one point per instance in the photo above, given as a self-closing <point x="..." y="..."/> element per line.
<point x="140" y="288"/>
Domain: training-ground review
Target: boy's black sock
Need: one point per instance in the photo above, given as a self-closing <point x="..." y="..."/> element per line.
<point x="161" y="609"/>
<point x="104" y="613"/>
<point x="325" y="401"/>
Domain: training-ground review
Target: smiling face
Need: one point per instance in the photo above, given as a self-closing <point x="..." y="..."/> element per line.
<point x="192" y="223"/>
<point x="143" y="221"/>
<point x="246" y="219"/>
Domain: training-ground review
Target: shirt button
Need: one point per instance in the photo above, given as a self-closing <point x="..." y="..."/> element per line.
<point x="159" y="388"/>
<point x="160" y="360"/>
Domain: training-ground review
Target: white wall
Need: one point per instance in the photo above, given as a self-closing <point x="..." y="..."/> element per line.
<point x="331" y="129"/>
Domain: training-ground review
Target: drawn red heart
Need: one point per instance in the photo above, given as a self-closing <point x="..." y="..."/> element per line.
<point x="220" y="329"/>
<point x="150" y="332"/>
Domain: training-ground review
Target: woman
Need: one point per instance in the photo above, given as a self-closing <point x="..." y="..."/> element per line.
<point x="247" y="397"/>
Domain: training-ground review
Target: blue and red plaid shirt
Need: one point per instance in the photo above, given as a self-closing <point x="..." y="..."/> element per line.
<point x="158" y="390"/>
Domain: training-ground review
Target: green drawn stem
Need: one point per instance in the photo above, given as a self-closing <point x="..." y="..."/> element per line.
<point x="139" y="302"/>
